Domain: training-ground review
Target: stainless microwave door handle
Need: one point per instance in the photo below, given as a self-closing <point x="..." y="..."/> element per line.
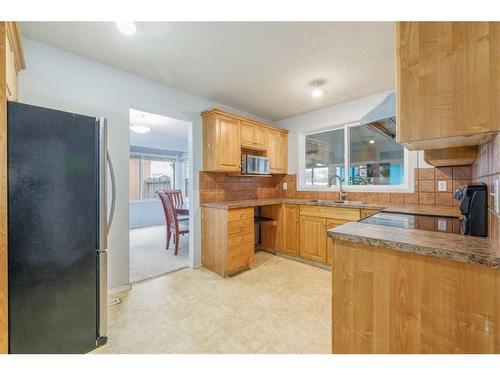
<point x="113" y="190"/>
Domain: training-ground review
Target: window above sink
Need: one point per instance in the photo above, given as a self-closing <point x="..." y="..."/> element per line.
<point x="366" y="158"/>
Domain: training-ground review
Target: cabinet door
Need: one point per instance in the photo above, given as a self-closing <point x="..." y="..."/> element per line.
<point x="260" y="136"/>
<point x="313" y="238"/>
<point x="291" y="229"/>
<point x="10" y="71"/>
<point x="271" y="146"/>
<point x="446" y="75"/>
<point x="329" y="244"/>
<point x="227" y="145"/>
<point x="282" y="152"/>
<point x="247" y="134"/>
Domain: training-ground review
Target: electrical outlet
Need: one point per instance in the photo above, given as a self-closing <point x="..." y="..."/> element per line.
<point x="442" y="225"/>
<point x="442" y="186"/>
<point x="285" y="185"/>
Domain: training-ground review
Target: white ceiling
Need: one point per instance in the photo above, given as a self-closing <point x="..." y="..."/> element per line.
<point x="166" y="133"/>
<point x="261" y="68"/>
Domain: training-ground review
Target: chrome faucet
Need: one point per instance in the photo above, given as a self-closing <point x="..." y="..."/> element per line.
<point x="341" y="192"/>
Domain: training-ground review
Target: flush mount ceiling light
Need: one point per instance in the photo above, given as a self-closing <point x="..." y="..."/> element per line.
<point x="317" y="91"/>
<point x="140" y="129"/>
<point x="128" y="28"/>
<point x="372" y="141"/>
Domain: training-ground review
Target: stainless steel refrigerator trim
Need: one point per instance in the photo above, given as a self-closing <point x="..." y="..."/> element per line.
<point x="103" y="231"/>
<point x="113" y="190"/>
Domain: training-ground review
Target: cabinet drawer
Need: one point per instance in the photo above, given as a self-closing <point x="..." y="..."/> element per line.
<point x="240" y="238"/>
<point x="339" y="213"/>
<point x="240" y="256"/>
<point x="239" y="214"/>
<point x="239" y="226"/>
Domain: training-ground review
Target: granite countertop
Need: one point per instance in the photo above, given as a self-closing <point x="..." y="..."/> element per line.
<point x="451" y="211"/>
<point x="457" y="247"/>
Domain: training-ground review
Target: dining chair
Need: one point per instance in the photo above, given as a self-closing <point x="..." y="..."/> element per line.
<point x="173" y="225"/>
<point x="177" y="199"/>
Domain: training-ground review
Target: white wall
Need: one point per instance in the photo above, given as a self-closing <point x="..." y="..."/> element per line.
<point x="60" y="80"/>
<point x="329" y="117"/>
<point x="337" y="115"/>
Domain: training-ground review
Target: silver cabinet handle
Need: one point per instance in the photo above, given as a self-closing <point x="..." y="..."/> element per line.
<point x="113" y="190"/>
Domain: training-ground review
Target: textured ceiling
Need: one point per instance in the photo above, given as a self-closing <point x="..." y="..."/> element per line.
<point x="261" y="68"/>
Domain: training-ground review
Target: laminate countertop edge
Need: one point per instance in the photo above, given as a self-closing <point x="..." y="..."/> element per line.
<point x="455" y="247"/>
<point x="432" y="210"/>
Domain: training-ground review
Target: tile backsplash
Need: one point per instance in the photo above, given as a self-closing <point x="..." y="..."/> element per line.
<point x="486" y="168"/>
<point x="216" y="187"/>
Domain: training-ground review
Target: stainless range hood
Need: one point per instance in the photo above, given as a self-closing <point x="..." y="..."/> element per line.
<point x="382" y="118"/>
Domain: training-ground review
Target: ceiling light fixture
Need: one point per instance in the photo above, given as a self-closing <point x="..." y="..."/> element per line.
<point x="317" y="90"/>
<point x="128" y="28"/>
<point x="372" y="141"/>
<point x="140" y="129"/>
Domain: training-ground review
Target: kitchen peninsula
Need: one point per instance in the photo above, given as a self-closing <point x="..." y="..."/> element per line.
<point x="397" y="290"/>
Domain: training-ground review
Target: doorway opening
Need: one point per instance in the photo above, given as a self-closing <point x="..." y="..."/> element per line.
<point x="159" y="194"/>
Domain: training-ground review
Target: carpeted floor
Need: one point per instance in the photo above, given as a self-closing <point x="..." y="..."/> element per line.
<point x="148" y="256"/>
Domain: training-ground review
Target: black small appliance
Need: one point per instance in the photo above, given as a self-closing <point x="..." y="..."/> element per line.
<point x="474" y="209"/>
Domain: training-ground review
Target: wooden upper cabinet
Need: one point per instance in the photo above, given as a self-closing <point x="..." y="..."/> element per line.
<point x="282" y="152"/>
<point x="253" y="136"/>
<point x="225" y="135"/>
<point x="221" y="146"/>
<point x="448" y="83"/>
<point x="14" y="59"/>
<point x="277" y="151"/>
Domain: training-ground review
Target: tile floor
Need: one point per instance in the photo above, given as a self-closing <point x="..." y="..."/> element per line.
<point x="148" y="256"/>
<point x="279" y="306"/>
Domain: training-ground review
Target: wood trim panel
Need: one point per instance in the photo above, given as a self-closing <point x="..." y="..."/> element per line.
<point x="454" y="156"/>
<point x="387" y="301"/>
<point x="241" y="118"/>
<point x="3" y="198"/>
<point x="14" y="34"/>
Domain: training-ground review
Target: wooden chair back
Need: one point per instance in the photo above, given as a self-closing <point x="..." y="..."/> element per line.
<point x="175" y="195"/>
<point x="169" y="209"/>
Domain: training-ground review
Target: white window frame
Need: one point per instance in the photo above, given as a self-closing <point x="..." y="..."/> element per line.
<point x="142" y="155"/>
<point x="410" y="162"/>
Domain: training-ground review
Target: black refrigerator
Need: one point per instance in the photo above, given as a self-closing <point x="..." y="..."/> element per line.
<point x="57" y="230"/>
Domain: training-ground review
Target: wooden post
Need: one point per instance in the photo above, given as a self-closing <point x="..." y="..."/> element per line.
<point x="3" y="197"/>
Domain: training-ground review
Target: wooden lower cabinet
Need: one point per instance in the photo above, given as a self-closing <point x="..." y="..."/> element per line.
<point x="329" y="242"/>
<point x="313" y="238"/>
<point x="314" y="223"/>
<point x="388" y="301"/>
<point x="291" y="229"/>
<point x="227" y="239"/>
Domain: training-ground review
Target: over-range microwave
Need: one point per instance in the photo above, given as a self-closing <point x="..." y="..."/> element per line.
<point x="252" y="164"/>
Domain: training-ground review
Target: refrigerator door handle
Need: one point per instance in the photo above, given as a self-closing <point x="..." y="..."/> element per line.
<point x="113" y="190"/>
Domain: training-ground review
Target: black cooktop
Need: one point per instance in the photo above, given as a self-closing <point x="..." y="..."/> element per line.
<point x="413" y="221"/>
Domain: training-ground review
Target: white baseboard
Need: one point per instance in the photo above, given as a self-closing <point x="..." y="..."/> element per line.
<point x="122" y="288"/>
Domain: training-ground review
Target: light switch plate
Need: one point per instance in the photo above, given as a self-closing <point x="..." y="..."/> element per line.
<point x="442" y="185"/>
<point x="285" y="185"/>
<point x="442" y="225"/>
